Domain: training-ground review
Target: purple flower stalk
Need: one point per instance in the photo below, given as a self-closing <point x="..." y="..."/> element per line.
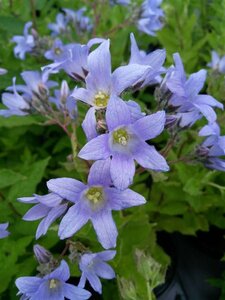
<point x="3" y="230"/>
<point x="217" y="63"/>
<point x="93" y="266"/>
<point x="25" y="42"/>
<point x="60" y="26"/>
<point x="190" y="106"/>
<point x="154" y="60"/>
<point x="51" y="287"/>
<point x="93" y="202"/>
<point x="125" y="143"/>
<point x="48" y="208"/>
<point x="151" y="17"/>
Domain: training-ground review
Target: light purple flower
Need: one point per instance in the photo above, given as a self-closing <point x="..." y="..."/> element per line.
<point x="93" y="202"/>
<point x="185" y="95"/>
<point x="15" y="103"/>
<point x="119" y="2"/>
<point x="154" y="59"/>
<point x="3" y="71"/>
<point x="212" y="148"/>
<point x="125" y="143"/>
<point x="51" y="287"/>
<point x="48" y="208"/>
<point x="81" y="22"/>
<point x="217" y="62"/>
<point x="59" y="51"/>
<point x="3" y="230"/>
<point x="151" y="17"/>
<point x="25" y="42"/>
<point x="60" y="26"/>
<point x="101" y="84"/>
<point x="64" y="102"/>
<point x="93" y="266"/>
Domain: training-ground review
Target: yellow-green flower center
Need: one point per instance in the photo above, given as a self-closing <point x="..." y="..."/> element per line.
<point x="120" y="136"/>
<point x="95" y="195"/>
<point x="53" y="283"/>
<point x="57" y="51"/>
<point x="101" y="99"/>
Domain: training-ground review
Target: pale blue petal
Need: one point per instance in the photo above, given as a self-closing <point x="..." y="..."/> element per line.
<point x="103" y="270"/>
<point x="75" y="293"/>
<point x="36" y="212"/>
<point x="195" y="83"/>
<point x="100" y="173"/>
<point x="89" y="124"/>
<point x="29" y="284"/>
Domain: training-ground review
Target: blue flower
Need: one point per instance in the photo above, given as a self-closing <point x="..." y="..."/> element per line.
<point x="3" y="230"/>
<point x="51" y="287"/>
<point x="119" y="2"/>
<point x="125" y="143"/>
<point x="25" y="43"/>
<point x="64" y="102"/>
<point x="154" y="60"/>
<point x="60" y="26"/>
<point x="151" y="17"/>
<point x="16" y="104"/>
<point x="81" y="23"/>
<point x="190" y="106"/>
<point x="3" y="71"/>
<point x="217" y="63"/>
<point x="212" y="148"/>
<point x="93" y="202"/>
<point x="93" y="266"/>
<point x="58" y="52"/>
<point x="48" y="208"/>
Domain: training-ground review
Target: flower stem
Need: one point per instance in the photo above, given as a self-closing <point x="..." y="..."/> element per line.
<point x="149" y="291"/>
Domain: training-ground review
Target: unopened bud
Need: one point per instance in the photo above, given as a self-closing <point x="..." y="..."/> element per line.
<point x="42" y="255"/>
<point x="127" y="289"/>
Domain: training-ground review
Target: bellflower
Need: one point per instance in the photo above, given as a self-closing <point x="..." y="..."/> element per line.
<point x="15" y="103"/>
<point x="3" y="71"/>
<point x="151" y="17"/>
<point x="93" y="202"/>
<point x="101" y="84"/>
<point x="25" y="42"/>
<point x="3" y="230"/>
<point x="48" y="208"/>
<point x="60" y="26"/>
<point x="53" y="286"/>
<point x="154" y="59"/>
<point x="185" y="95"/>
<point x="125" y="143"/>
<point x="217" y="62"/>
<point x="119" y="2"/>
<point x="81" y="23"/>
<point x="212" y="148"/>
<point x="93" y="266"/>
<point x="58" y="52"/>
<point x="64" y="102"/>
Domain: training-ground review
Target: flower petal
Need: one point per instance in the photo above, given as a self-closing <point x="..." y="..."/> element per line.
<point x="100" y="173"/>
<point x="50" y="200"/>
<point x="89" y="124"/>
<point x="122" y="170"/>
<point x="67" y="188"/>
<point x="28" y="284"/>
<point x="61" y="273"/>
<point x="150" y="126"/>
<point x="94" y="281"/>
<point x="195" y="83"/>
<point x="117" y="113"/>
<point x="73" y="292"/>
<point x="36" y="212"/>
<point x="207" y="112"/>
<point x="103" y="270"/>
<point x="75" y="218"/>
<point x="123" y="199"/>
<point x="105" y="228"/>
<point x="95" y="149"/>
<point x="149" y="158"/>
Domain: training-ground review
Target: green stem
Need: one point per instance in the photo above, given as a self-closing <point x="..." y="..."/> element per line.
<point x="149" y="291"/>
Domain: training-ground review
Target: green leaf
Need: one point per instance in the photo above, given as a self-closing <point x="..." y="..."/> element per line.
<point x="9" y="177"/>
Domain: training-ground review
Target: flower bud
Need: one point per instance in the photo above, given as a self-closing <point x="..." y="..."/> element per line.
<point x="127" y="289"/>
<point x="42" y="255"/>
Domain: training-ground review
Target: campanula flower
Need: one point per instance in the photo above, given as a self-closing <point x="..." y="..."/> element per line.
<point x="3" y="230"/>
<point x="52" y="286"/>
<point x="93" y="266"/>
<point x="217" y="62"/>
<point x="126" y="142"/>
<point x="93" y="202"/>
<point x="154" y="59"/>
<point x="58" y="52"/>
<point x="190" y="106"/>
<point x="25" y="42"/>
<point x="48" y="208"/>
<point x="3" y="71"/>
<point x="151" y="17"/>
<point x="119" y="2"/>
<point x="60" y="26"/>
<point x="80" y="22"/>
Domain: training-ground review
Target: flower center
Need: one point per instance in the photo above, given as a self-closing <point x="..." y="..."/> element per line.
<point x="120" y="136"/>
<point x="57" y="51"/>
<point x="53" y="283"/>
<point x="95" y="195"/>
<point x="101" y="99"/>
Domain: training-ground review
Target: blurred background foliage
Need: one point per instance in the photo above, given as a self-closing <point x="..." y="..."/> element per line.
<point x="187" y="199"/>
